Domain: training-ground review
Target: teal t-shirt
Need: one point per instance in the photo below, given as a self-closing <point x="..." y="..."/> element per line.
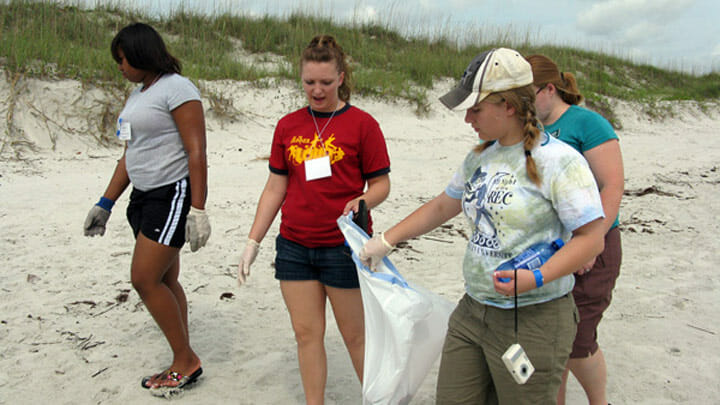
<point x="583" y="130"/>
<point x="507" y="212"/>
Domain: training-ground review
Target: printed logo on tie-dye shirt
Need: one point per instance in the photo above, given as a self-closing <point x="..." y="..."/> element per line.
<point x="483" y="201"/>
<point x="302" y="149"/>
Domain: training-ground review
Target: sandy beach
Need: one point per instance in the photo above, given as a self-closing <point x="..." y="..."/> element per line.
<point x="73" y="330"/>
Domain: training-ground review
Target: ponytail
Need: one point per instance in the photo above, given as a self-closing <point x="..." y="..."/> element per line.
<point x="546" y="71"/>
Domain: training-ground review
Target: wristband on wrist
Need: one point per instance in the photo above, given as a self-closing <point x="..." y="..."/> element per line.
<point x="539" y="279"/>
<point x="385" y="242"/>
<point x="105" y="203"/>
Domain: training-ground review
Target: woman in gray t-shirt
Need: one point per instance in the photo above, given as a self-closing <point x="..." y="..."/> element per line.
<point x="163" y="127"/>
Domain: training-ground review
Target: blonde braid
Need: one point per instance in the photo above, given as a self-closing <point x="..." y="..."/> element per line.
<point x="532" y="135"/>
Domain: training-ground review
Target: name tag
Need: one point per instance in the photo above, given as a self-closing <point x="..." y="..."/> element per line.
<point x="317" y="168"/>
<point x="124" y="133"/>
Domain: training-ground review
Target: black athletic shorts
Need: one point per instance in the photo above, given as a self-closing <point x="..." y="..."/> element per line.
<point x="160" y="213"/>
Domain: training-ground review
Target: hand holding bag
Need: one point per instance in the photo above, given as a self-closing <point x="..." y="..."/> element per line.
<point x="405" y="327"/>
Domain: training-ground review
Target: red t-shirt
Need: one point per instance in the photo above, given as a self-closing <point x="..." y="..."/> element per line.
<point x="357" y="151"/>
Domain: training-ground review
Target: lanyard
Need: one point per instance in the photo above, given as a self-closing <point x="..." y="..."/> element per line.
<point x="317" y="129"/>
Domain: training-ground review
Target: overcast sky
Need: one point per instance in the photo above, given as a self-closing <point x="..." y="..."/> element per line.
<point x="676" y="34"/>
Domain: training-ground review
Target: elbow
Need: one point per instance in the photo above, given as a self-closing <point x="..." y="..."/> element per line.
<point x="377" y="192"/>
<point x="197" y="160"/>
<point x="598" y="245"/>
<point x="385" y="192"/>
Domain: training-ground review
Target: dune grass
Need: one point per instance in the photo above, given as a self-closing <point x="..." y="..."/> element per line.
<point x="45" y="39"/>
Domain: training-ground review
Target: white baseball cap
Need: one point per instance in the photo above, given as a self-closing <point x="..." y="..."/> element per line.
<point x="492" y="71"/>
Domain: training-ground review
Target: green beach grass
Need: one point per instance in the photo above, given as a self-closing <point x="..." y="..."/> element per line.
<point x="45" y="39"/>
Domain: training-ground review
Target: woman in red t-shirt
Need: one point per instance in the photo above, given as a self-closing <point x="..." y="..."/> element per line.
<point x="324" y="159"/>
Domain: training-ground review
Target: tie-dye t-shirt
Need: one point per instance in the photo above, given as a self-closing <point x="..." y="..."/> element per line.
<point x="508" y="212"/>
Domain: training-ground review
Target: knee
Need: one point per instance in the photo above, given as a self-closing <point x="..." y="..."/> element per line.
<point x="355" y="339"/>
<point x="306" y="335"/>
<point x="141" y="283"/>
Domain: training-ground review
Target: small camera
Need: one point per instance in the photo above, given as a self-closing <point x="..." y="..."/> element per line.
<point x="518" y="363"/>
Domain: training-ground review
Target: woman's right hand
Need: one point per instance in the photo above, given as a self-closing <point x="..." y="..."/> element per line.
<point x="95" y="221"/>
<point x="246" y="259"/>
<point x="374" y="250"/>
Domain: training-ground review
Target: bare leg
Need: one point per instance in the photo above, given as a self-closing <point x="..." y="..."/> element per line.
<point x="348" y="309"/>
<point x="154" y="270"/>
<point x="171" y="280"/>
<point x="591" y="373"/>
<point x="563" y="387"/>
<point x="305" y="301"/>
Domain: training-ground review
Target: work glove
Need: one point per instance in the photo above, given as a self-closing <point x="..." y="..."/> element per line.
<point x="246" y="260"/>
<point x="95" y="221"/>
<point x="374" y="250"/>
<point x="197" y="228"/>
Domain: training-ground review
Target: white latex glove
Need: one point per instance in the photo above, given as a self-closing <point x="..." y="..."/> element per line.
<point x="197" y="228"/>
<point x="95" y="221"/>
<point x="247" y="259"/>
<point x="374" y="250"/>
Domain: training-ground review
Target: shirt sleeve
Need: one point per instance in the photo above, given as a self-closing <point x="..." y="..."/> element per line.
<point x="456" y="188"/>
<point x="278" y="162"/>
<point x="597" y="131"/>
<point x="575" y="195"/>
<point x="181" y="91"/>
<point x="375" y="160"/>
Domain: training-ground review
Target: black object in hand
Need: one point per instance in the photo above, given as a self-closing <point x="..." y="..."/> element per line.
<point x="361" y="217"/>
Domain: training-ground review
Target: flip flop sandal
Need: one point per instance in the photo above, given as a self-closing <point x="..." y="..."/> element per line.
<point x="183" y="381"/>
<point x="146" y="380"/>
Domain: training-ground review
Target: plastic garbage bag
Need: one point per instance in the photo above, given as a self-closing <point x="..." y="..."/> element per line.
<point x="405" y="327"/>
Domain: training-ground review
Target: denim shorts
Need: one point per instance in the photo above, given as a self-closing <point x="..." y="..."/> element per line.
<point x="331" y="266"/>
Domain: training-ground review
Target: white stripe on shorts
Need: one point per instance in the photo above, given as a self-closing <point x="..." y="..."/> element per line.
<point x="175" y="212"/>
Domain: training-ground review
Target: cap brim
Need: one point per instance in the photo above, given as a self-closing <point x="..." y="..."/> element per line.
<point x="459" y="99"/>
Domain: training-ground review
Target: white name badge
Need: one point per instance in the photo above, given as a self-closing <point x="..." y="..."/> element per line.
<point x="317" y="168"/>
<point x="124" y="134"/>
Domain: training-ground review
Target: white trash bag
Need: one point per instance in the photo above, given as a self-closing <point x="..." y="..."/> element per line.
<point x="405" y="327"/>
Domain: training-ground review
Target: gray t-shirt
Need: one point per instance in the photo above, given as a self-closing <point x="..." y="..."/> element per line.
<point x="155" y="153"/>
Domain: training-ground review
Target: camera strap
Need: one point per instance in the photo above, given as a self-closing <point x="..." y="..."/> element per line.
<point x="516" y="308"/>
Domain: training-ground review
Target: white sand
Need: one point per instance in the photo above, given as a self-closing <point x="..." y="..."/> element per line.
<point x="68" y="334"/>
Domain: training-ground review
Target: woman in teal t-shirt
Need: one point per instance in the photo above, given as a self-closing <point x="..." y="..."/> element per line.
<point x="557" y="96"/>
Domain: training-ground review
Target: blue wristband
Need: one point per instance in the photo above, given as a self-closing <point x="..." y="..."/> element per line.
<point x="539" y="280"/>
<point x="105" y="203"/>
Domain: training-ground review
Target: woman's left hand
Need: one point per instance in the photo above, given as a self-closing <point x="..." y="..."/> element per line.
<point x="525" y="282"/>
<point x="197" y="228"/>
<point x="586" y="267"/>
<point x="352" y="205"/>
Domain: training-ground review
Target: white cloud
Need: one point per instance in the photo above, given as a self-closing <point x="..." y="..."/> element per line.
<point x="633" y="20"/>
<point x="716" y="51"/>
<point x="364" y="14"/>
<point x="641" y="31"/>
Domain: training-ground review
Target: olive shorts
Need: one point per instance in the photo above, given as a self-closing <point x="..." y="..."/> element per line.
<point x="471" y="368"/>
